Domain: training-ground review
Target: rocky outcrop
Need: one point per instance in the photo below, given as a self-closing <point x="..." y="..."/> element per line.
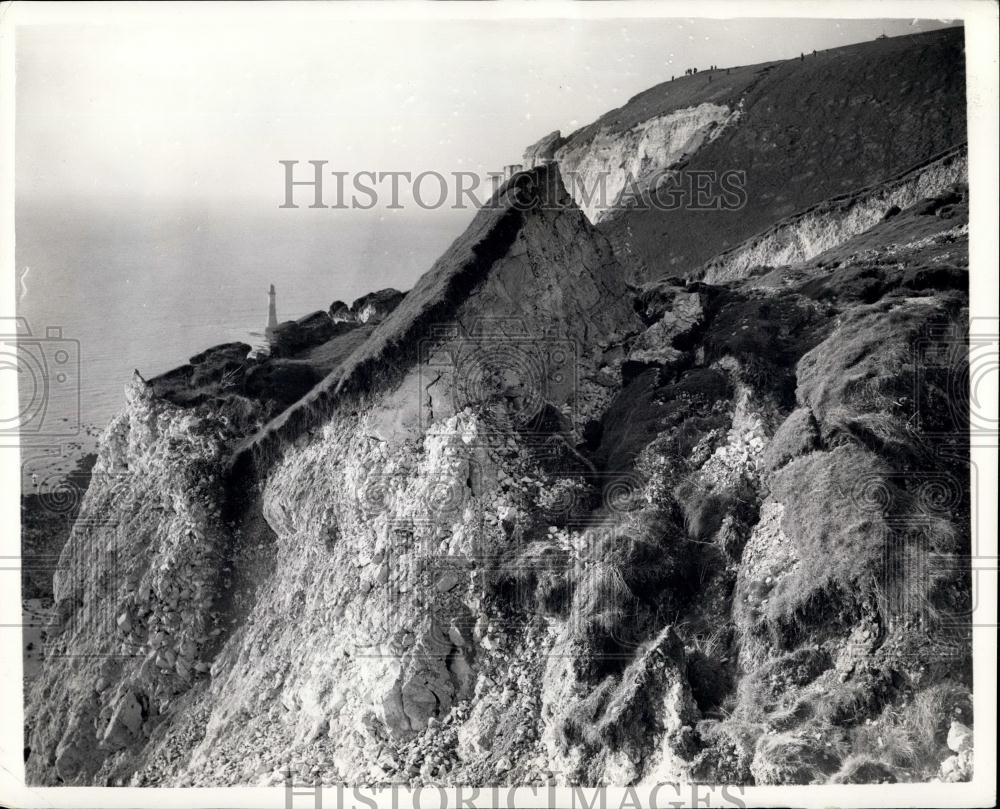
<point x="376" y="306"/>
<point x="658" y="345"/>
<point x="294" y="336"/>
<point x="207" y="373"/>
<point x="372" y="308"/>
<point x="340" y="312"/>
<point x="137" y="591"/>
<point x="543" y="151"/>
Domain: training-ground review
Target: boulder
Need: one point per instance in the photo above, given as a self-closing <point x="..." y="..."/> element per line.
<point x="340" y="312"/>
<point x="376" y="306"/>
<point x="959" y="737"/>
<point x="957" y="768"/>
<point x="657" y="345"/>
<point x="417" y="686"/>
<point x="125" y="726"/>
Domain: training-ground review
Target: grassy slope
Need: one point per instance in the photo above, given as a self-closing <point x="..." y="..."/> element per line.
<point x="811" y="129"/>
<point x="782" y="700"/>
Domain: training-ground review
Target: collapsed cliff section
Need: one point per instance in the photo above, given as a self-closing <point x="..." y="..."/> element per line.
<point x="489" y="372"/>
<point x="540" y="527"/>
<point x="798" y="131"/>
<point x="372" y="308"/>
<point x="605" y="171"/>
<point x="407" y="495"/>
<point x="137" y="590"/>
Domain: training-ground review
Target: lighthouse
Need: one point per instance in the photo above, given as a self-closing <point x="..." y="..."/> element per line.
<point x="272" y="312"/>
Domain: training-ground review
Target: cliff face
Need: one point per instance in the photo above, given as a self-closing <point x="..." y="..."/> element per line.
<point x="137" y="588"/>
<point x="540" y="526"/>
<point x="530" y="297"/>
<point x="799" y="132"/>
<point x="834" y="222"/>
<point x="603" y="166"/>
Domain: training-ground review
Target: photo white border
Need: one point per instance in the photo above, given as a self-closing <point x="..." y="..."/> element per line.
<point x="981" y="29"/>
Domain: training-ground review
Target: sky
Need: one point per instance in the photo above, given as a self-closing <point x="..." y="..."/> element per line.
<point x="202" y="113"/>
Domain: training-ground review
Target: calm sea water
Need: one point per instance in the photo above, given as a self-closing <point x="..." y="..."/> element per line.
<point x="145" y="288"/>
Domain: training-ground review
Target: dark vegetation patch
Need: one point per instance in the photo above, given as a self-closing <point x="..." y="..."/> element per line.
<point x="797" y="435"/>
<point x="297" y="336"/>
<point x="650" y="406"/>
<point x="926" y="217"/>
<point x="789" y="759"/>
<point x="216" y="371"/>
<point x="706" y="505"/>
<point x="302" y="353"/>
<point x="766" y="334"/>
<point x="908" y="738"/>
<point x="613" y="712"/>
<point x="887" y="369"/>
<point x="838" y="541"/>
<point x="726" y="754"/>
<point x="912" y="252"/>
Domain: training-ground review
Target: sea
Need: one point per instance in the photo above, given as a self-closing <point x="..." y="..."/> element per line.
<point x="108" y="289"/>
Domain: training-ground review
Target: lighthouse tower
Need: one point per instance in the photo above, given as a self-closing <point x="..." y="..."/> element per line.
<point x="272" y="312"/>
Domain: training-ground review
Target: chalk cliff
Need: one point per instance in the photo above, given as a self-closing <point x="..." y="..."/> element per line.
<point x="538" y="525"/>
<point x="798" y="132"/>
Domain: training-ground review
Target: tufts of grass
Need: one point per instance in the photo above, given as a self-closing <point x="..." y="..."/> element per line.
<point x="705" y="506"/>
<point x="911" y="736"/>
<point x="727" y="751"/>
<point x="861" y="769"/>
<point x="861" y="378"/>
<point x="838" y="541"/>
<point x="783" y="758"/>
